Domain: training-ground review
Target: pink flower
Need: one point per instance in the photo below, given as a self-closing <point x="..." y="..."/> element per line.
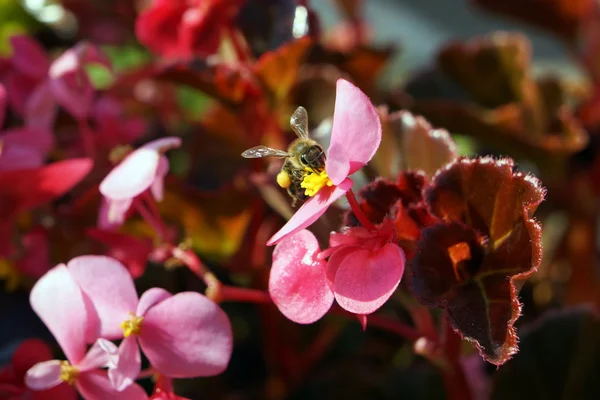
<point x="12" y="376"/>
<point x="183" y="335"/>
<point x="37" y="85"/>
<point x="355" y="137"/>
<point x="63" y="308"/>
<point x="143" y="169"/>
<point x="363" y="271"/>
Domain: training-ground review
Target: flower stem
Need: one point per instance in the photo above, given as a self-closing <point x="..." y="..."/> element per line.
<point x="358" y="212"/>
<point x="455" y="381"/>
<point x="87" y="137"/>
<point x="191" y="260"/>
<point x="152" y="219"/>
<point x="245" y="295"/>
<point x="241" y="48"/>
<point x="146" y="373"/>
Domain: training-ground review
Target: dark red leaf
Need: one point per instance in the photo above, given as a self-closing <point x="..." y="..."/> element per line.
<point x="468" y="264"/>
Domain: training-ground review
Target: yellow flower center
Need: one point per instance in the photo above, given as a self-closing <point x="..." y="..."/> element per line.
<point x="9" y="274"/>
<point x="132" y="326"/>
<point x="314" y="181"/>
<point x="68" y="373"/>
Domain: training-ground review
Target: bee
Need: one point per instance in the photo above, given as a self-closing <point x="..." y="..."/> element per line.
<point x="302" y="157"/>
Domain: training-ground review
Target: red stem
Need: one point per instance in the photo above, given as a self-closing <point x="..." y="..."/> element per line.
<point x="189" y="258"/>
<point x="87" y="137"/>
<point x="146" y="373"/>
<point x="360" y="215"/>
<point x="245" y="295"/>
<point x="455" y="381"/>
<point x="154" y="220"/>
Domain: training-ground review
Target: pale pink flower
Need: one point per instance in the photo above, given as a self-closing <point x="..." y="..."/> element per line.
<point x="184" y="335"/>
<point x="355" y="137"/>
<point x="143" y="169"/>
<point x="363" y="270"/>
<point x="58" y="301"/>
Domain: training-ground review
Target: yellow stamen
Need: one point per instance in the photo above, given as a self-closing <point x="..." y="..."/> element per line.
<point x="68" y="373"/>
<point x="314" y="181"/>
<point x="132" y="326"/>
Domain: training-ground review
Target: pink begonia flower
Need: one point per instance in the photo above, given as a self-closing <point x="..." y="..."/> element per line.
<point x="363" y="270"/>
<point x="355" y="137"/>
<point x="37" y="86"/>
<point x="12" y="376"/>
<point x="184" y="335"/>
<point x="59" y="302"/>
<point x="143" y="169"/>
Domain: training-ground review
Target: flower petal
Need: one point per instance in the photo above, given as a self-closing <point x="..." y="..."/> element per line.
<point x="29" y="57"/>
<point x="150" y="298"/>
<point x="335" y="260"/>
<point x="356" y="132"/>
<point x="113" y="212"/>
<point x="297" y="283"/>
<point x="132" y="176"/>
<point x="163" y="144"/>
<point x="96" y="385"/>
<point x="311" y="210"/>
<point x="157" y="188"/>
<point x="128" y="366"/>
<point x="366" y="279"/>
<point x="58" y="301"/>
<point x="110" y="288"/>
<point x="102" y="353"/>
<point x="43" y="375"/>
<point x="41" y="108"/>
<point x="3" y="104"/>
<point x="187" y="335"/>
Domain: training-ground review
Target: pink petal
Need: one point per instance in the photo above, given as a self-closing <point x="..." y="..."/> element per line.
<point x="333" y="264"/>
<point x="128" y="366"/>
<point x="58" y="301"/>
<point x="102" y="353"/>
<point x="73" y="91"/>
<point x="163" y="144"/>
<point x="133" y="176"/>
<point x="43" y="375"/>
<point x="297" y="283"/>
<point x="356" y="132"/>
<point x="29" y="57"/>
<point x="150" y="298"/>
<point x="113" y="212"/>
<point x="95" y="385"/>
<point x="41" y="108"/>
<point x="311" y="210"/>
<point x="110" y="288"/>
<point x="187" y="335"/>
<point x="158" y="186"/>
<point x="365" y="279"/>
<point x="3" y="104"/>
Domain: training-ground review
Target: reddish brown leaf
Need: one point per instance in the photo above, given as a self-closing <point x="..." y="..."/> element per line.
<point x="561" y="17"/>
<point x="468" y="264"/>
<point x="278" y="70"/>
<point x="508" y="108"/>
<point x="410" y="143"/>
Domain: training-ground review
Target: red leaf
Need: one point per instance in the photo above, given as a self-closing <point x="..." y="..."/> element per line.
<point x="29" y="188"/>
<point x="467" y="264"/>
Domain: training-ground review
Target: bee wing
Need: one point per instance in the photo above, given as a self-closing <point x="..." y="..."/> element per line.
<point x="299" y="122"/>
<point x="264" y="151"/>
